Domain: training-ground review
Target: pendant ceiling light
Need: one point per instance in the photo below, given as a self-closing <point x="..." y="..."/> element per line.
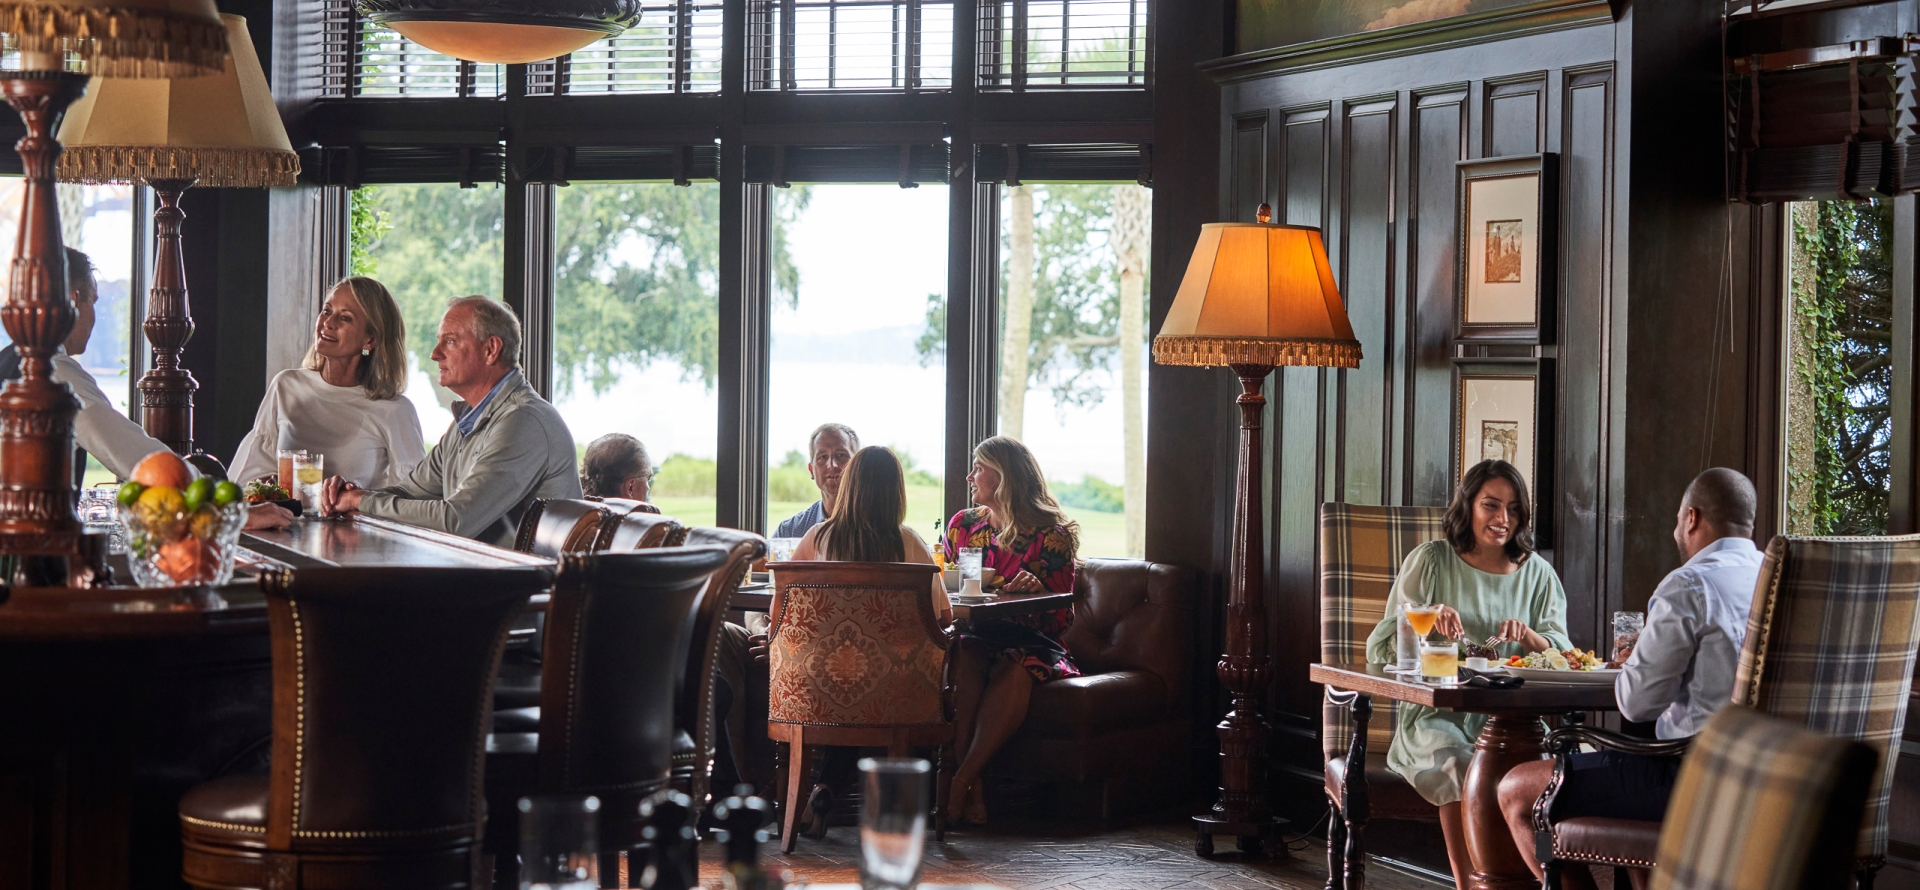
<point x="510" y="32"/>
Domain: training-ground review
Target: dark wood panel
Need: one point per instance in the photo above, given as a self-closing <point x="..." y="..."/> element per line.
<point x="1304" y="166"/>
<point x="1249" y="164"/>
<point x="1515" y="110"/>
<point x="1294" y="587"/>
<point x="1366" y="272"/>
<point x="1585" y="179"/>
<point x="1439" y="141"/>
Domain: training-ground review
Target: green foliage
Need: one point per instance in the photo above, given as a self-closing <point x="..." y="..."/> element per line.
<point x="916" y="475"/>
<point x="1848" y="367"/>
<point x="790" y="482"/>
<point x="366" y="225"/>
<point x="1076" y="294"/>
<point x="683" y="476"/>
<point x="636" y="275"/>
<point x="1091" y="493"/>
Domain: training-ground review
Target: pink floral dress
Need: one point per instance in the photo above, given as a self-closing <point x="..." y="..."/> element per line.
<point x="1049" y="557"/>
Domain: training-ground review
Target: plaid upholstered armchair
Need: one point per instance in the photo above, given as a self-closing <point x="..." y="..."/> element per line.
<point x="1830" y="646"/>
<point x="1361" y="549"/>
<point x="1763" y="804"/>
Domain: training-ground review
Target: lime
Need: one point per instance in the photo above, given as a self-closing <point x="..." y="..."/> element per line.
<point x="225" y="493"/>
<point x="198" y="492"/>
<point x="129" y="492"/>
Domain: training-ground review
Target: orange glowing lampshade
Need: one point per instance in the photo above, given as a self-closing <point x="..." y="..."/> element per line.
<point x="1258" y="294"/>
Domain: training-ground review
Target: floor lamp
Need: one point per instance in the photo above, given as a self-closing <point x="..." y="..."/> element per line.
<point x="1256" y="296"/>
<point x="174" y="133"/>
<point x="60" y="42"/>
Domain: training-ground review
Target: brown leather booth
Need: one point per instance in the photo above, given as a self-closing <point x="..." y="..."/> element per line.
<point x="1119" y="730"/>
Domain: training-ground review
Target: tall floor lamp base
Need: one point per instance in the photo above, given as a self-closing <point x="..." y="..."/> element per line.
<point x="1257" y="839"/>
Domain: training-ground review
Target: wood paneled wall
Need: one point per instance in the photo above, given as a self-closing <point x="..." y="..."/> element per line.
<point x="1368" y="152"/>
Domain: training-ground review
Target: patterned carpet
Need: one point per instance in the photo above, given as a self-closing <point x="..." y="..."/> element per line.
<point x="1036" y="855"/>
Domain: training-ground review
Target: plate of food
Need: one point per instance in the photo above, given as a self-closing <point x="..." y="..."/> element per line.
<point x="1574" y="667"/>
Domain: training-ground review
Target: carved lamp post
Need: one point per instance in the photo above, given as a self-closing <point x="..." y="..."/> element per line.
<point x="1256" y="296"/>
<point x="61" y="42"/>
<point x="220" y="132"/>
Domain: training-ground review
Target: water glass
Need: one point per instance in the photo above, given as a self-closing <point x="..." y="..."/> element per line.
<point x="308" y="470"/>
<point x="893" y="822"/>
<point x="969" y="561"/>
<point x="1406" y="645"/>
<point x="559" y="848"/>
<point x="781" y="549"/>
<point x="1626" y="633"/>
<point x="1439" y="663"/>
<point x="99" y="513"/>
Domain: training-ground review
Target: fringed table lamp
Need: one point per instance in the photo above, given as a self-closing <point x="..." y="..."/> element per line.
<point x="60" y="43"/>
<point x="173" y="133"/>
<point x="1256" y="296"/>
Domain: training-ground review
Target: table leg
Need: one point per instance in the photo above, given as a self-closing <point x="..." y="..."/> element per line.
<point x="1506" y="742"/>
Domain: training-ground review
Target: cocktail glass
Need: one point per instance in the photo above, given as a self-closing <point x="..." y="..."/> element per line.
<point x="1422" y="616"/>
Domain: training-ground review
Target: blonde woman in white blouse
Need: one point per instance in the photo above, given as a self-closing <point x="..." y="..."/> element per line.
<point x="344" y="402"/>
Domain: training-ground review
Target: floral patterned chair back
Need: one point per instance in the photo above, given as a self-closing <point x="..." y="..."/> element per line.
<point x="855" y="644"/>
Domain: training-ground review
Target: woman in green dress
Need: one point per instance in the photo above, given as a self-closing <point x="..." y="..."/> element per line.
<point x="1490" y="585"/>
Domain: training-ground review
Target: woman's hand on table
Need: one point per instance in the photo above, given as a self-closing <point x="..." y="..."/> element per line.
<point x="267" y="517"/>
<point x="1023" y="582"/>
<point x="1448" y="624"/>
<point x="1513" y="630"/>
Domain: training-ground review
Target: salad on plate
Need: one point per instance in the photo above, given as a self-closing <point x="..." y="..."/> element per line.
<point x="1575" y="659"/>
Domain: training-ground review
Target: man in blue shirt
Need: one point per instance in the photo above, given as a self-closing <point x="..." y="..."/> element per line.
<point x="1678" y="673"/>
<point x="829" y="450"/>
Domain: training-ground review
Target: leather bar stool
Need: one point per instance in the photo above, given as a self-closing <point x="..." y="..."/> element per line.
<point x="618" y="626"/>
<point x="623" y="506"/>
<point x="381" y="678"/>
<point x="693" y="738"/>
<point x="639" y="531"/>
<point x="551" y="527"/>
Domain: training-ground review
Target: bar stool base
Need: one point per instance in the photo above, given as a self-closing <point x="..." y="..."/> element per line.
<point x="1260" y="840"/>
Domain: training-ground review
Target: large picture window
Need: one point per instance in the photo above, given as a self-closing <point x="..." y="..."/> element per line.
<point x="636" y="328"/>
<point x="866" y="260"/>
<point x="429" y="244"/>
<point x="1073" y="343"/>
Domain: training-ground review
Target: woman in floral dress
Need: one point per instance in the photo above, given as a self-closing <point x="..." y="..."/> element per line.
<point x="1026" y="538"/>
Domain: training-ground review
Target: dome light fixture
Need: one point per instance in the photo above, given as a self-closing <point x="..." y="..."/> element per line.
<point x="509" y="32"/>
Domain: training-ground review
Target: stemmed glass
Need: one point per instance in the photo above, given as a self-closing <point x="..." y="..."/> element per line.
<point x="893" y="822"/>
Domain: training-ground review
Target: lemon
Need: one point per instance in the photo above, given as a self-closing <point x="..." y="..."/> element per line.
<point x="160" y="507"/>
<point x="204" y="524"/>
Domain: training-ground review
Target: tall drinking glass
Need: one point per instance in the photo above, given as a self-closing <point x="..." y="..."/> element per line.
<point x="285" y="458"/>
<point x="559" y="843"/>
<point x="308" y="470"/>
<point x="893" y="822"/>
<point x="969" y="560"/>
<point x="1626" y="633"/>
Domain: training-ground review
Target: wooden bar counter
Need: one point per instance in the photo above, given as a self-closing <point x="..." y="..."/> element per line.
<point x="114" y="701"/>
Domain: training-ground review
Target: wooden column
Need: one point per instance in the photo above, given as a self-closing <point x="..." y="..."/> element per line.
<point x="166" y="392"/>
<point x="36" y="412"/>
<point x="1245" y="668"/>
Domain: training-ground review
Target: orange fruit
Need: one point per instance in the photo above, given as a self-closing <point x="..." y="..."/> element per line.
<point x="163" y="468"/>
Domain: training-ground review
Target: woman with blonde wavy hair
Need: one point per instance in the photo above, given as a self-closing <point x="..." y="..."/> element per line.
<point x="344" y="402"/>
<point x="1030" y="544"/>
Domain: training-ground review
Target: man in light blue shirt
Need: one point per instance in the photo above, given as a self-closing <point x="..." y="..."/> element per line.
<point x="1678" y="673"/>
<point x="829" y="450"/>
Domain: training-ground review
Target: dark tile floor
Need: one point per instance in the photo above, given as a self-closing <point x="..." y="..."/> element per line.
<point x="1032" y="855"/>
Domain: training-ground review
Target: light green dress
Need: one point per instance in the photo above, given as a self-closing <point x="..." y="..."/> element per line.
<point x="1431" y="747"/>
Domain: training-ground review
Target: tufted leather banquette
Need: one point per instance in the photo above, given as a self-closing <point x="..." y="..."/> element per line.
<point x="1123" y="724"/>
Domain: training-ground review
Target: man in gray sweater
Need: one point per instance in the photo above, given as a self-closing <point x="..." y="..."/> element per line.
<point x="507" y="449"/>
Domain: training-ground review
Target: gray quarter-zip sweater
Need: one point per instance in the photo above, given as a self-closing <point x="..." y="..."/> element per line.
<point x="478" y="484"/>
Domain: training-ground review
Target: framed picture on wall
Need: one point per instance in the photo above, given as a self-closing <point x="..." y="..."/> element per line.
<point x="1503" y="410"/>
<point x="1508" y="238"/>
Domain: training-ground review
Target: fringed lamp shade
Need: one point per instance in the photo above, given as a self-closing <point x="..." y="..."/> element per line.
<point x="116" y="38"/>
<point x="223" y="131"/>
<point x="1258" y="294"/>
<point x="509" y="32"/>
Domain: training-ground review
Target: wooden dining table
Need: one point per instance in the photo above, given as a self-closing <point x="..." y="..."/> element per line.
<point x="119" y="698"/>
<point x="1514" y="734"/>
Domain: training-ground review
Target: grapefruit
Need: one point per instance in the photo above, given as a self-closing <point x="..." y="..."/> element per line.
<point x="163" y="469"/>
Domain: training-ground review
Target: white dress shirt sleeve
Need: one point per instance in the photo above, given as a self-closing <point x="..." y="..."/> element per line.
<point x="259" y="453"/>
<point x="1656" y="672"/>
<point x="118" y="443"/>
